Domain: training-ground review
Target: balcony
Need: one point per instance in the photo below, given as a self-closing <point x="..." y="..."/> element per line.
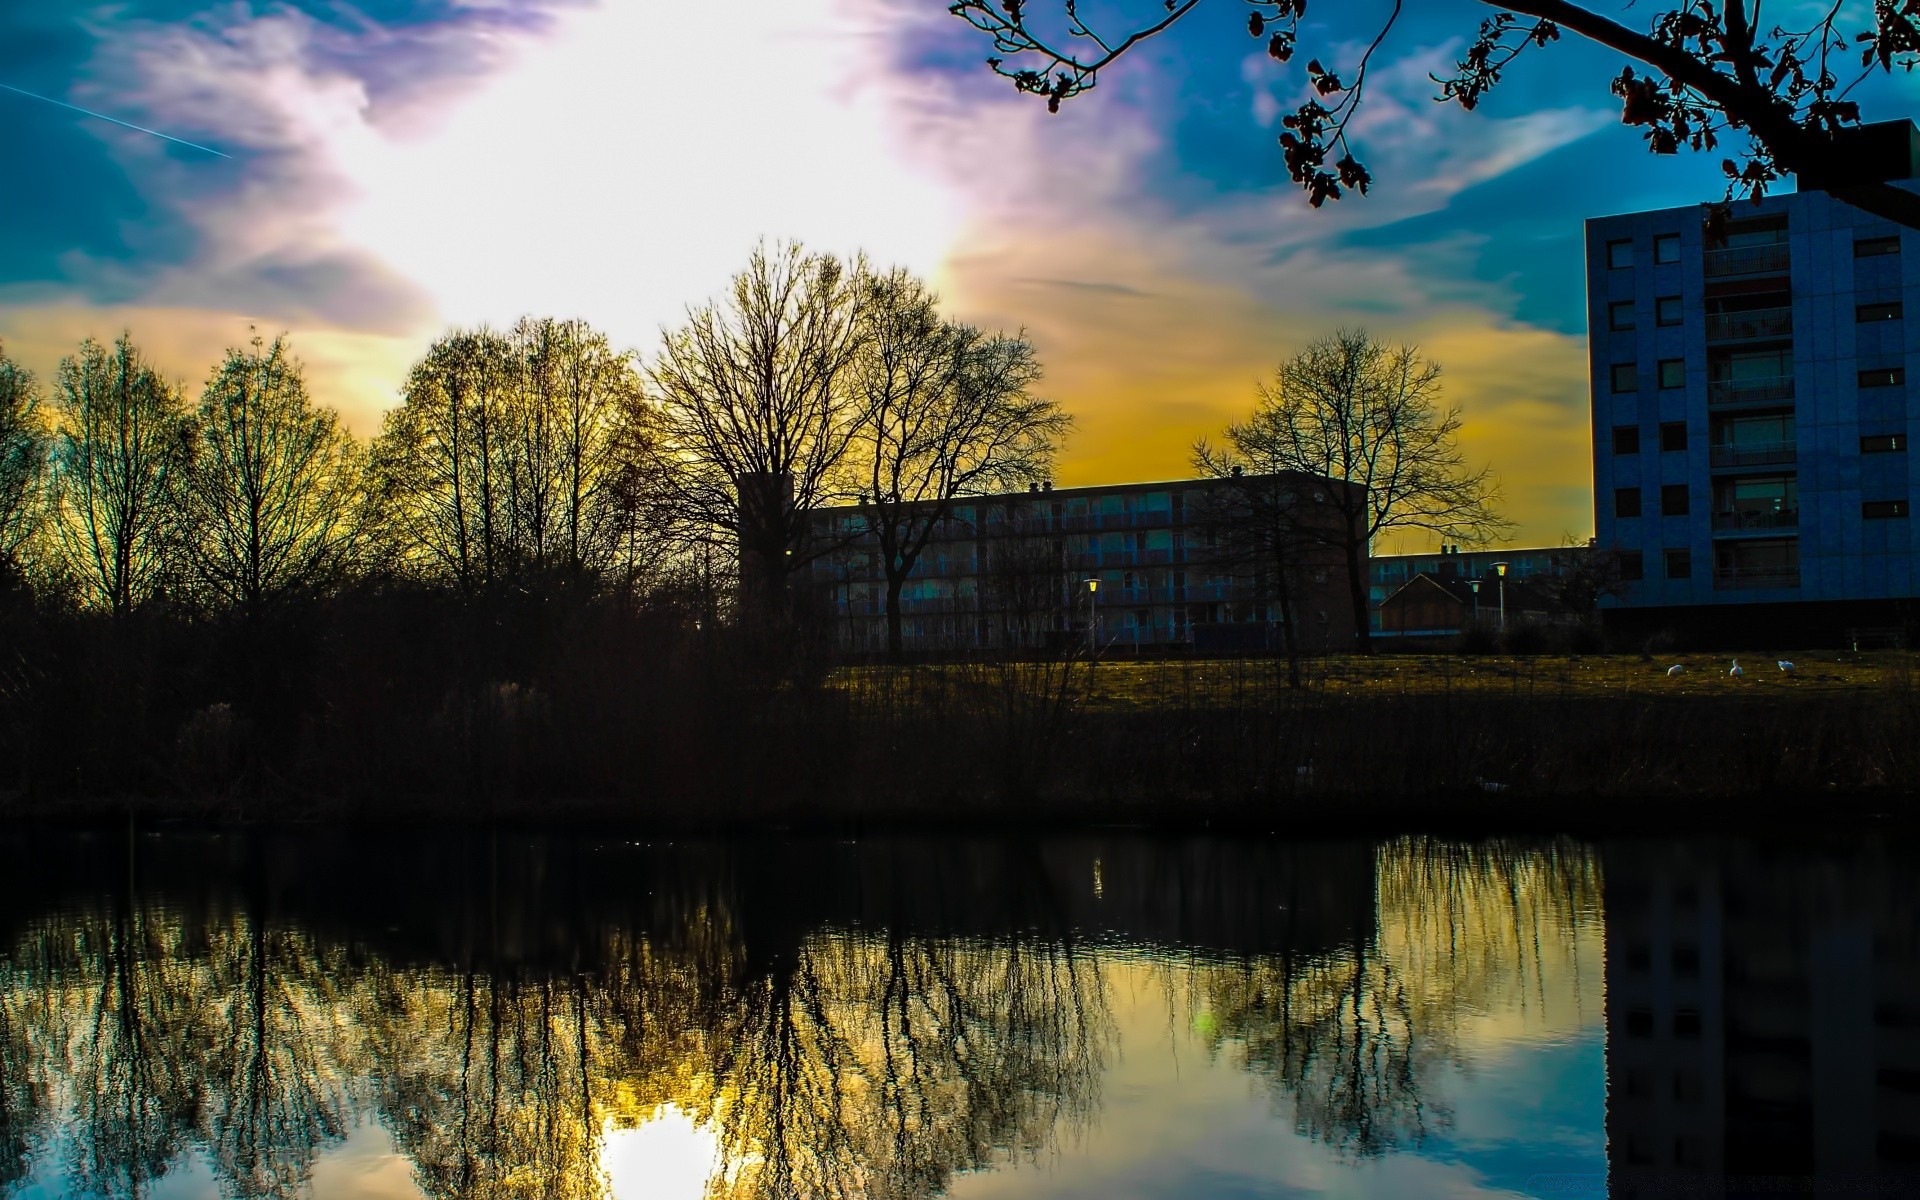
<point x="1746" y="260"/>
<point x="1750" y="325"/>
<point x="1755" y="454"/>
<point x="1756" y="577"/>
<point x="1723" y="393"/>
<point x="1736" y="520"/>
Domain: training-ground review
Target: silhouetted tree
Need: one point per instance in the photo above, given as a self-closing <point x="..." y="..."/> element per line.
<point x="1711" y="69"/>
<point x="273" y="501"/>
<point x="1252" y="527"/>
<point x="948" y="413"/>
<point x="757" y="411"/>
<point x="23" y="453"/>
<point x="120" y="440"/>
<point x="501" y="460"/>
<point x="1351" y="409"/>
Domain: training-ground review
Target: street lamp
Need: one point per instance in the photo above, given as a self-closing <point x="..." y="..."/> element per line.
<point x="1475" y="585"/>
<point x="1093" y="610"/>
<point x="1500" y="569"/>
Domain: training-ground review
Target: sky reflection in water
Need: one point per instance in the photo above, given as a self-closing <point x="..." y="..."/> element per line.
<point x="494" y="1017"/>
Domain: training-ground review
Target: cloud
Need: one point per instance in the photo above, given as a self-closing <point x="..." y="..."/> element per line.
<point x="354" y="372"/>
<point x="1203" y="288"/>
<point x="616" y="161"/>
<point x="474" y="163"/>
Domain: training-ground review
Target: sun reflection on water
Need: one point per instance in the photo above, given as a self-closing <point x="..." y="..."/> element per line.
<point x="668" y="1157"/>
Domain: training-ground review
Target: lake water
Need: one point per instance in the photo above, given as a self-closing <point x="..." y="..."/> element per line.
<point x="478" y="1016"/>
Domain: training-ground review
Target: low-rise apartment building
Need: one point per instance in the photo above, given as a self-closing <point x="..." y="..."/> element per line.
<point x="1125" y="568"/>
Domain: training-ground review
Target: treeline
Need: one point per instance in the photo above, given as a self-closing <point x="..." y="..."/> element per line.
<point x="229" y="594"/>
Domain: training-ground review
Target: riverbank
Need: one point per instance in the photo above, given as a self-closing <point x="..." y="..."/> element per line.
<point x="1591" y="744"/>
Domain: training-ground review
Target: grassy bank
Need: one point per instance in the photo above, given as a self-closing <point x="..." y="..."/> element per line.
<point x="1594" y="740"/>
<point x="1566" y="744"/>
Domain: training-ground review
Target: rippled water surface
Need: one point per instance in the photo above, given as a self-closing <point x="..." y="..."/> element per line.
<point x="481" y="1016"/>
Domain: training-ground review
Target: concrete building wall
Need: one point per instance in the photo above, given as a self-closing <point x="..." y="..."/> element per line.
<point x="1782" y="499"/>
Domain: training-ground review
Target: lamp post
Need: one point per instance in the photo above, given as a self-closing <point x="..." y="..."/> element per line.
<point x="1500" y="569"/>
<point x="1093" y="611"/>
<point x="1475" y="585"/>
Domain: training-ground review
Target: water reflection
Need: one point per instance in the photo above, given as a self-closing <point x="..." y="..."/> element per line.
<point x="533" y="1017"/>
<point x="1763" y="1017"/>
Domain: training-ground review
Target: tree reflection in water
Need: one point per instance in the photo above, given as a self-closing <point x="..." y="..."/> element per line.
<point x="1351" y="1038"/>
<point x="862" y="1021"/>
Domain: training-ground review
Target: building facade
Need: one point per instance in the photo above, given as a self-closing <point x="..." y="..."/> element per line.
<point x="1751" y="423"/>
<point x="1388" y="573"/>
<point x="1126" y="568"/>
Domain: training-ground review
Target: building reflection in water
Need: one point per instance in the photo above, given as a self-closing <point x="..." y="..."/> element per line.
<point x="534" y="1017"/>
<point x="1763" y="1019"/>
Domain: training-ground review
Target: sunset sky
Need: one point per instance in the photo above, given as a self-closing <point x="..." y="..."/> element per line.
<point x="396" y="166"/>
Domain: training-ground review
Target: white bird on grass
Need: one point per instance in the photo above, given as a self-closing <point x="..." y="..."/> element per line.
<point x="1676" y="669"/>
<point x="1736" y="670"/>
<point x="1786" y="666"/>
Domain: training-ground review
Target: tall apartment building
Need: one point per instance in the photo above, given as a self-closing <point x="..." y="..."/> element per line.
<point x="1751" y="426"/>
<point x="1011" y="571"/>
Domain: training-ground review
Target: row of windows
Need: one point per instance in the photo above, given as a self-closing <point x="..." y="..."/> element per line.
<point x="1672" y="373"/>
<point x="1667" y="312"/>
<point x="1676" y="501"/>
<point x="1666" y="249"/>
<point x="1673" y="439"/>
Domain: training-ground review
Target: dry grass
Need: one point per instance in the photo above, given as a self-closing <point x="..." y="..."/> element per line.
<point x="1146" y="686"/>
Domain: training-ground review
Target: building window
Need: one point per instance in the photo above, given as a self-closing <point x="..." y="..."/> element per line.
<point x="1626" y="439"/>
<point x="1666" y="248"/>
<point x="1872" y="443"/>
<point x="1626" y="502"/>
<point x="1679" y="563"/>
<point x="1673" y="436"/>
<point x="1632" y="564"/>
<point x="1620" y="254"/>
<point x="1883" y="377"/>
<point x="1673" y="372"/>
<point x="1886" y="310"/>
<point x="1666" y="311"/>
<point x="1673" y="500"/>
<point x="1880" y="510"/>
<point x="1626" y="377"/>
<point x="1620" y="315"/>
<point x="1874" y="247"/>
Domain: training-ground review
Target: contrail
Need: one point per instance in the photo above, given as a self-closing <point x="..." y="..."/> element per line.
<point x="87" y="112"/>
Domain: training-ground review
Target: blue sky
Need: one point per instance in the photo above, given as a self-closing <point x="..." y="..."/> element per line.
<point x="399" y="165"/>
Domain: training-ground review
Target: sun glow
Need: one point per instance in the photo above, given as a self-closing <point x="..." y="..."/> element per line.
<point x="619" y="169"/>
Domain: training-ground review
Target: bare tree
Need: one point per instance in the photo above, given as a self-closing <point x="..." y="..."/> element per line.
<point x="503" y="458"/>
<point x="120" y="439"/>
<point x="948" y="413"/>
<point x="1355" y="411"/>
<point x="273" y="499"/>
<point x="1254" y="526"/>
<point x="439" y="461"/>
<point x="23" y="456"/>
<point x="1711" y="69"/>
<point x="757" y="412"/>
